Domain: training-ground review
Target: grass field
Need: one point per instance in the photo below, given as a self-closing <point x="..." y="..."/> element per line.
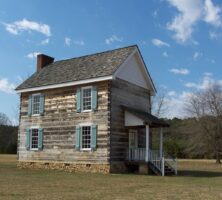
<point x="197" y="179"/>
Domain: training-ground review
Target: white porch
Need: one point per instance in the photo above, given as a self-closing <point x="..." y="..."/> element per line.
<point x="159" y="162"/>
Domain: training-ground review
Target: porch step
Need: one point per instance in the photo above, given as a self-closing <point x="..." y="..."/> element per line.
<point x="169" y="171"/>
<point x="154" y="169"/>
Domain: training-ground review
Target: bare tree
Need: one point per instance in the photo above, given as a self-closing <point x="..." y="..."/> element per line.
<point x="159" y="105"/>
<point x="4" y="120"/>
<point x="206" y="107"/>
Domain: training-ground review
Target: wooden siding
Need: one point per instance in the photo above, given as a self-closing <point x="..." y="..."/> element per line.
<point x="58" y="123"/>
<point x="127" y="94"/>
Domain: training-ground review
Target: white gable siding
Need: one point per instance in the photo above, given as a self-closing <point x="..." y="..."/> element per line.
<point x="132" y="120"/>
<point x="132" y="72"/>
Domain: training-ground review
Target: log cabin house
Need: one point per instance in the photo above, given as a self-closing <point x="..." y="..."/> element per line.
<point x="90" y="114"/>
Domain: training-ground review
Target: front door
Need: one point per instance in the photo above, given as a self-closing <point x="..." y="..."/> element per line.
<point x="133" y="139"/>
<point x="133" y="144"/>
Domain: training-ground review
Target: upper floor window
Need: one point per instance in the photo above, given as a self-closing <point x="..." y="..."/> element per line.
<point x="36" y="104"/>
<point x="86" y="98"/>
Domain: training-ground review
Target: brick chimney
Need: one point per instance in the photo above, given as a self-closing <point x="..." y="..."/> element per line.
<point x="43" y="60"/>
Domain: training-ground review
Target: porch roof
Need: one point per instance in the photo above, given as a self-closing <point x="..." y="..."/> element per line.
<point x="142" y="118"/>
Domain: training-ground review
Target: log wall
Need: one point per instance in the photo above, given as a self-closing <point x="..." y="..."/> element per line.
<point x="127" y="94"/>
<point x="58" y="123"/>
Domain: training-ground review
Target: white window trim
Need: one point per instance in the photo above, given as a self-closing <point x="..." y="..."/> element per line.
<point x="82" y="88"/>
<point x="86" y="124"/>
<point x="33" y="127"/>
<point x="36" y="94"/>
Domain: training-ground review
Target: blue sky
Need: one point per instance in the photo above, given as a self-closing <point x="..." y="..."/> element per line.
<point x="180" y="40"/>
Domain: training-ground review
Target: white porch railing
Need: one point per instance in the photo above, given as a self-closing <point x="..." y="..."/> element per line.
<point x="154" y="158"/>
<point x="137" y="154"/>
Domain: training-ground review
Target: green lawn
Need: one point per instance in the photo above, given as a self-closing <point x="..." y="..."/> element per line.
<point x="197" y="179"/>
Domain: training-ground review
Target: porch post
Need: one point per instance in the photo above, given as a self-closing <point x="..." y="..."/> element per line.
<point x="147" y="143"/>
<point x="161" y="142"/>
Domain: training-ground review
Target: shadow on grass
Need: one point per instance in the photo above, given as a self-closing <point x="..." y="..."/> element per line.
<point x="195" y="173"/>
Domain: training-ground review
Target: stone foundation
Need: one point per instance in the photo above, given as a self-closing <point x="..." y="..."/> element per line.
<point x="70" y="167"/>
<point x="143" y="169"/>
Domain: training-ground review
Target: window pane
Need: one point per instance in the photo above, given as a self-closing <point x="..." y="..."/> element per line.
<point x="34" y="139"/>
<point x="86" y="99"/>
<point x="86" y="137"/>
<point x="35" y="104"/>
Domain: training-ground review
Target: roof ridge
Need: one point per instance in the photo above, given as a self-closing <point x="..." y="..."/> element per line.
<point x="102" y="52"/>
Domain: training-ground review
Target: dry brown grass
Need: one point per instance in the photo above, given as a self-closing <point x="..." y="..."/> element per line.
<point x="197" y="179"/>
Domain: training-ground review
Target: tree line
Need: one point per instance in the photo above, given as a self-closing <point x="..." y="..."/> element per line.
<point x="200" y="135"/>
<point x="8" y="135"/>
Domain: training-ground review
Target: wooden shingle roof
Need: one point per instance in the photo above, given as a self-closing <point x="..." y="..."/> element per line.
<point x="80" y="68"/>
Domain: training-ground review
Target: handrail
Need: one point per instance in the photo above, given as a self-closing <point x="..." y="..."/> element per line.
<point x="171" y="162"/>
<point x="156" y="160"/>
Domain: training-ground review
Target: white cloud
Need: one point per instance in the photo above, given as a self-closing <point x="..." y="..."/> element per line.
<point x="112" y="39"/>
<point x="176" y="105"/>
<point x="6" y="87"/>
<point x="165" y="54"/>
<point x="189" y="13"/>
<point x="69" y="41"/>
<point x="208" y="74"/>
<point x="171" y="93"/>
<point x="214" y="35"/>
<point x="78" y="42"/>
<point x="159" y="43"/>
<point x="176" y="102"/>
<point x="32" y="55"/>
<point x="212" y="13"/>
<point x="206" y="82"/>
<point x="181" y="71"/>
<point x="197" y="55"/>
<point x="26" y="25"/>
<point x="155" y="13"/>
<point x="44" y="42"/>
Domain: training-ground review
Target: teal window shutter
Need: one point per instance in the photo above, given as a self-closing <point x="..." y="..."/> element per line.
<point x="78" y="100"/>
<point x="27" y="138"/>
<point x="30" y="105"/>
<point x="78" y="137"/>
<point x="40" y="138"/>
<point x="93" y="137"/>
<point x="94" y="98"/>
<point x="42" y="104"/>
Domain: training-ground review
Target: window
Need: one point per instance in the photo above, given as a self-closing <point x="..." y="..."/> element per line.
<point x="36" y="104"/>
<point x="34" y="138"/>
<point x="87" y="99"/>
<point x="86" y="137"/>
